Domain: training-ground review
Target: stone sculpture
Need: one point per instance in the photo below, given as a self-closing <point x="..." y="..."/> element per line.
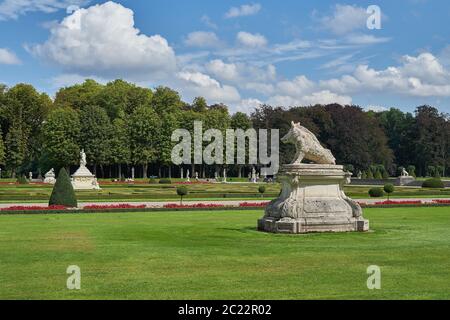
<point x="49" y="177"/>
<point x="83" y="179"/>
<point x="312" y="197"/>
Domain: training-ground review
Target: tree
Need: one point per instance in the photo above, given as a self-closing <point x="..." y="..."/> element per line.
<point x="389" y="188"/>
<point x="2" y="148"/>
<point x="182" y="191"/>
<point x="119" y="145"/>
<point x="120" y="98"/>
<point x="60" y="138"/>
<point x="240" y="120"/>
<point x="95" y="135"/>
<point x="199" y="104"/>
<point x="166" y="100"/>
<point x="15" y="143"/>
<point x="143" y="128"/>
<point x="78" y="96"/>
<point x="63" y="193"/>
<point x="262" y="190"/>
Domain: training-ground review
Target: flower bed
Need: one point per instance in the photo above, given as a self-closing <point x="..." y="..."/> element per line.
<point x="33" y="208"/>
<point x="441" y="201"/>
<point x="254" y="204"/>
<point x="114" y="206"/>
<point x="398" y="202"/>
<point x="197" y="205"/>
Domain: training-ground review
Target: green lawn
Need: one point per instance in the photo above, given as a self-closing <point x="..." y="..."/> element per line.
<point x="219" y="255"/>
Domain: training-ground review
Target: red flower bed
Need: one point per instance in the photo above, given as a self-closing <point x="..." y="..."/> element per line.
<point x="113" y="206"/>
<point x="399" y="202"/>
<point x="441" y="201"/>
<point x="253" y="204"/>
<point x="31" y="208"/>
<point x="197" y="205"/>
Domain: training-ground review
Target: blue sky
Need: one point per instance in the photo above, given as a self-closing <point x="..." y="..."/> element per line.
<point x="240" y="53"/>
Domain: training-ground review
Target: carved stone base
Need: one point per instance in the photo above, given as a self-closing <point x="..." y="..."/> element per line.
<point x="312" y="200"/>
<point x="83" y="179"/>
<point x="403" y="180"/>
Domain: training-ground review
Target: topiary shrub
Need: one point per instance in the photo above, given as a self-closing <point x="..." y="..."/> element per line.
<point x="411" y="170"/>
<point x="22" y="180"/>
<point x="369" y="174"/>
<point x="165" y="181"/>
<point x="376" y="192"/>
<point x="63" y="193"/>
<point x="261" y="190"/>
<point x="378" y="175"/>
<point x="182" y="191"/>
<point x="433" y="183"/>
<point x="152" y="181"/>
<point x="389" y="188"/>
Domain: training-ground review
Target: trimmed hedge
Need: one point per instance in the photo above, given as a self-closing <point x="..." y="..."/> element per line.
<point x="165" y="181"/>
<point x="433" y="183"/>
<point x="376" y="192"/>
<point x="63" y="193"/>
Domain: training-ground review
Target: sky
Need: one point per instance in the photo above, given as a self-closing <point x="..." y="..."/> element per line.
<point x="241" y="53"/>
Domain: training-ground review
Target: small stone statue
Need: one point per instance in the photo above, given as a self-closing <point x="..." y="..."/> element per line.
<point x="30" y="175"/>
<point x="188" y="179"/>
<point x="224" y="175"/>
<point x="404" y="173"/>
<point x="83" y="161"/>
<point x="253" y="175"/>
<point x="196" y="175"/>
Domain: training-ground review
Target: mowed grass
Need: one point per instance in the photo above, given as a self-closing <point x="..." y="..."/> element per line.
<point x="219" y="255"/>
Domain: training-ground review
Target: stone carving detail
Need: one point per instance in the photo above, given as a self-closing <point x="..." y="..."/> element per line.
<point x="307" y="146"/>
<point x="312" y="197"/>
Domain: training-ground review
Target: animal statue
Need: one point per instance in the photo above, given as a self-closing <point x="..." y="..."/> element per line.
<point x="307" y="146"/>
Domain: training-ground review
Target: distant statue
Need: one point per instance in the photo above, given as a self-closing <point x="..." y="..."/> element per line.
<point x="253" y="175"/>
<point x="307" y="146"/>
<point x="83" y="161"/>
<point x="188" y="178"/>
<point x="224" y="175"/>
<point x="404" y="173"/>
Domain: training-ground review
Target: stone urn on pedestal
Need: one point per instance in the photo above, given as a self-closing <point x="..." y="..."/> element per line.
<point x="312" y="197"/>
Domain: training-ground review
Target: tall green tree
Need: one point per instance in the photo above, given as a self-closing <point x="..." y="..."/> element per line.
<point x="61" y="133"/>
<point x="15" y="143"/>
<point x="143" y="128"/>
<point x="95" y="135"/>
<point x="2" y="148"/>
<point x="166" y="100"/>
<point x="120" y="98"/>
<point x="79" y="95"/>
<point x="119" y="146"/>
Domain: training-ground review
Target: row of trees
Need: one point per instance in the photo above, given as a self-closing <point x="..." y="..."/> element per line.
<point x="120" y="125"/>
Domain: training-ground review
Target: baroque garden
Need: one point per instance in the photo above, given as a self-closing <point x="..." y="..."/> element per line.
<point x="87" y="180"/>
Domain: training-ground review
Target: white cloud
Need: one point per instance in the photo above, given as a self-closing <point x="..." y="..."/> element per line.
<point x="365" y="39"/>
<point x="8" y="57"/>
<point x="251" y="40"/>
<point x="12" y="9"/>
<point x="247" y="105"/>
<point x="202" y="39"/>
<point x="244" y="10"/>
<point x="69" y="79"/>
<point x="208" y="22"/>
<point x="225" y="71"/>
<point x="103" y="40"/>
<point x="319" y="97"/>
<point x="200" y="84"/>
<point x="345" y="18"/>
<point x="376" y="108"/>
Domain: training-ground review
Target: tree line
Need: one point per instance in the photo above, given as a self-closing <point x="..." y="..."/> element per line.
<point x="121" y="125"/>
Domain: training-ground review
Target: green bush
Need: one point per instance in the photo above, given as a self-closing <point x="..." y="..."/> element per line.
<point x="433" y="183"/>
<point x="411" y="170"/>
<point x="165" y="181"/>
<point x="376" y="192"/>
<point x="22" y="180"/>
<point x="389" y="188"/>
<point x="182" y="191"/>
<point x="152" y="181"/>
<point x="369" y="174"/>
<point x="262" y="190"/>
<point x="63" y="193"/>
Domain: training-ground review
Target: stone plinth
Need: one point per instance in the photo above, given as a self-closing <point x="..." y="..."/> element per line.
<point x="403" y="180"/>
<point x="83" y="179"/>
<point x="312" y="200"/>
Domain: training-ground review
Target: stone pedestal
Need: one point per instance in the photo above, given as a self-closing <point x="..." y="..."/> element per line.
<point x="83" y="179"/>
<point x="312" y="200"/>
<point x="404" y="180"/>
